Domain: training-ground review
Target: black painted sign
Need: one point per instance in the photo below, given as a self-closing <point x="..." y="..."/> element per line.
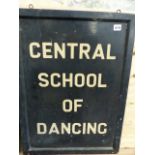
<point x="74" y="71"/>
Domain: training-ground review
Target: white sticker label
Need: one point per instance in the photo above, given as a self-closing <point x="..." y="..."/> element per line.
<point x="117" y="27"/>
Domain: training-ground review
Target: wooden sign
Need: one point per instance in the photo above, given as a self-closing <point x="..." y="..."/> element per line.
<point x="74" y="72"/>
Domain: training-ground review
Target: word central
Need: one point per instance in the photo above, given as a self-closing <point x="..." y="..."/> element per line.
<point x="54" y="50"/>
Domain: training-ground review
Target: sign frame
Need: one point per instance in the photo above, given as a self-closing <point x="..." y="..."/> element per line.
<point x="79" y="15"/>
